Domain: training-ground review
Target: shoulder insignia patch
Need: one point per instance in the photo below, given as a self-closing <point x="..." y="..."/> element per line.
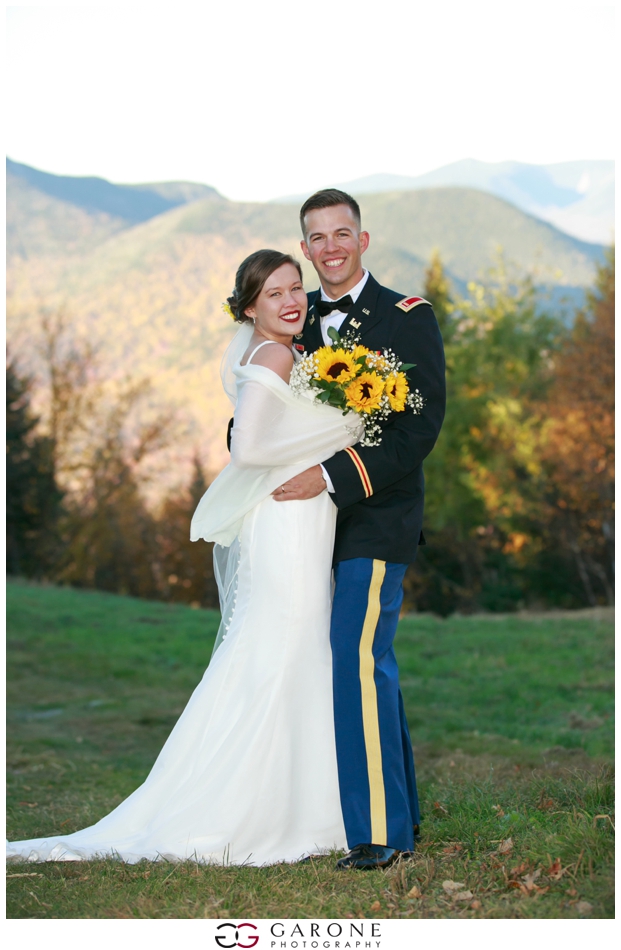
<point x="408" y="303"/>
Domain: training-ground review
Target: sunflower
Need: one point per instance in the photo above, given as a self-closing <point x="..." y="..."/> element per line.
<point x="365" y="393"/>
<point x="335" y="366"/>
<point x="396" y="388"/>
<point x="360" y="350"/>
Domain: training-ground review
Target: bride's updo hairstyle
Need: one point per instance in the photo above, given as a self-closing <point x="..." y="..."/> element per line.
<point x="250" y="278"/>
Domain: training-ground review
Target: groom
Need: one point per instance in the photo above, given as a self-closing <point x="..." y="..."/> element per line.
<point x="379" y="494"/>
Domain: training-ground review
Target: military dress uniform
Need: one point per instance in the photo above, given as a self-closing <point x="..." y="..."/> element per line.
<point x="379" y="493"/>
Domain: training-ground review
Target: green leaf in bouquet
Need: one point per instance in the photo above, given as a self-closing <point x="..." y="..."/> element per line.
<point x="338" y="400"/>
<point x="324" y="396"/>
<point x="334" y="335"/>
<point x="406" y="366"/>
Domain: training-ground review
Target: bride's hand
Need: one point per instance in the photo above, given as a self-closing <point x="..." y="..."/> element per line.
<point x="307" y="484"/>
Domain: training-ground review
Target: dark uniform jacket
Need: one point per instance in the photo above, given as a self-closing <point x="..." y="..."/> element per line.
<point x="379" y="490"/>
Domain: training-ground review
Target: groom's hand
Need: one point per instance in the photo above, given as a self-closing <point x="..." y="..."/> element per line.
<point x="307" y="484"/>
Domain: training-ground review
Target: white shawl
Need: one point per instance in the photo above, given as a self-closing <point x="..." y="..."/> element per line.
<point x="276" y="435"/>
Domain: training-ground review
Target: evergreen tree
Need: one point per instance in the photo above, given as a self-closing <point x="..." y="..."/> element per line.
<point x="33" y="497"/>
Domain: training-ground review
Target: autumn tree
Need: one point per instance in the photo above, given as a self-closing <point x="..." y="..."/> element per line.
<point x="185" y="567"/>
<point x="577" y="442"/>
<point x="109" y="530"/>
<point x="104" y="433"/>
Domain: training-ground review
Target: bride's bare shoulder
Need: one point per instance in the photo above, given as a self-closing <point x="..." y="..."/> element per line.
<point x="276" y="357"/>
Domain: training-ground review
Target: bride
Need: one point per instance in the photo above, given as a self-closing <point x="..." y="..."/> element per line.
<point x="248" y="774"/>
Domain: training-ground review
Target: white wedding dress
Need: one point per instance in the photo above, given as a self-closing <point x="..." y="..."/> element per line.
<point x="248" y="775"/>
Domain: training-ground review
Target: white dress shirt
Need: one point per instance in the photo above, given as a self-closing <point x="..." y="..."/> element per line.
<point x="336" y="320"/>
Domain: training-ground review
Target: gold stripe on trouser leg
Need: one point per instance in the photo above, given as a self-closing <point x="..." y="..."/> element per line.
<point x="370" y="715"/>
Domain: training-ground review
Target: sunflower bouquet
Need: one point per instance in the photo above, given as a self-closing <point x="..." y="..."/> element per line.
<point x="353" y="378"/>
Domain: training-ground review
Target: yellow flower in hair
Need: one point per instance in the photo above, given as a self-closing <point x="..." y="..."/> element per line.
<point x="365" y="393"/>
<point x="335" y="365"/>
<point x="396" y="389"/>
<point x="227" y="309"/>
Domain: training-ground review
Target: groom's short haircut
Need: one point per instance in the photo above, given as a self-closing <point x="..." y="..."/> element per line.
<point x="329" y="198"/>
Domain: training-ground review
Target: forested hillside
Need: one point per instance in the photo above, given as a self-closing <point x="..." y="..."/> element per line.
<point x="149" y="294"/>
<point x="117" y="414"/>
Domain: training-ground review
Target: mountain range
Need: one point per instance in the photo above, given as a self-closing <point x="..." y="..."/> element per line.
<point x="142" y="270"/>
<point x="577" y="197"/>
<point x="129" y="203"/>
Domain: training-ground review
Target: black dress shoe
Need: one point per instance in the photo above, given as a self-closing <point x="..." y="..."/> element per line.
<point x="368" y="857"/>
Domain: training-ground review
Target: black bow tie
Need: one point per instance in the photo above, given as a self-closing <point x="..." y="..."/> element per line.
<point x="324" y="307"/>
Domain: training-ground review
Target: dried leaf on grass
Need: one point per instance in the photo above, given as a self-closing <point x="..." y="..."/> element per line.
<point x="375" y="906"/>
<point x="556" y="870"/>
<point x="528" y="887"/>
<point x="528" y="882"/>
<point x="453" y="848"/>
<point x="463" y="896"/>
<point x="451" y="886"/>
<point x="506" y="846"/>
<point x="456" y="890"/>
<point x="415" y="892"/>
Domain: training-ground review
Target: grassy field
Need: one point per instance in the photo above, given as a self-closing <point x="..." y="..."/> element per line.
<point x="511" y="719"/>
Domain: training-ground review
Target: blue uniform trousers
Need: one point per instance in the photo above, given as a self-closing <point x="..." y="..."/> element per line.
<point x="375" y="763"/>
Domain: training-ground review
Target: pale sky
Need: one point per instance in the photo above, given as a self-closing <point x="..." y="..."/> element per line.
<point x="262" y="99"/>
